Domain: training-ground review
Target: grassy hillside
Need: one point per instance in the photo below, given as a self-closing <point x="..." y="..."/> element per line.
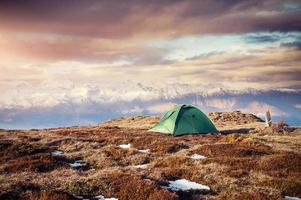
<point x="121" y="159"/>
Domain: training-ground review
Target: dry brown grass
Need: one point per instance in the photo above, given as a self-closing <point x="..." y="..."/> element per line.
<point x="251" y="195"/>
<point x="289" y="185"/>
<point x="142" y="122"/>
<point x="250" y="166"/>
<point x="246" y="141"/>
<point x="37" y="163"/>
<point x="132" y="187"/>
<point x="282" y="164"/>
<point x="114" y="156"/>
<point x="231" y="150"/>
<point x="121" y="184"/>
<point x="10" y="149"/>
<point x="29" y="192"/>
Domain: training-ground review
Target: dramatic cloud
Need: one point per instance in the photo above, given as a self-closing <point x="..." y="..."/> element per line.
<point x="45" y="48"/>
<point x="161" y="107"/>
<point x="221" y="103"/>
<point x="262" y="38"/>
<point x="87" y="111"/>
<point x="259" y="108"/>
<point x="140" y="57"/>
<point x="148" y="19"/>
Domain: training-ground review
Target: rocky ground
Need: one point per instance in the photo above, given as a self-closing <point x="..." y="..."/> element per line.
<point x="121" y="159"/>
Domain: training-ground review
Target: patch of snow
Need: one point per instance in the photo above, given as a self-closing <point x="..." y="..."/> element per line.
<point x="125" y="146"/>
<point x="185" y="185"/>
<point x="291" y="198"/>
<point x="197" y="157"/>
<point x="101" y="197"/>
<point x="144" y="150"/>
<point x="78" y="163"/>
<point x="57" y="152"/>
<point x="143" y="166"/>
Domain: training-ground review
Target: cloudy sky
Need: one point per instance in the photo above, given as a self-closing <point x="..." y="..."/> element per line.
<point x="70" y="62"/>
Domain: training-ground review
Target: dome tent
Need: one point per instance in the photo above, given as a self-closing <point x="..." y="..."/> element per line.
<point x="184" y="119"/>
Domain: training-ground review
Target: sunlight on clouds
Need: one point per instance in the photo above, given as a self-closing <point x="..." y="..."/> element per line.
<point x="113" y="70"/>
<point x="271" y="69"/>
<point x="197" y="46"/>
<point x="161" y="107"/>
<point x="223" y="104"/>
<point x="143" y="56"/>
<point x="260" y="108"/>
<point x="135" y="110"/>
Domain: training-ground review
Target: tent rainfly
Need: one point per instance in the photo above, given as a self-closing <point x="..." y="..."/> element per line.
<point x="184" y="119"/>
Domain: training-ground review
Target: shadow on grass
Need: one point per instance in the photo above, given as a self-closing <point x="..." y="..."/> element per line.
<point x="240" y="130"/>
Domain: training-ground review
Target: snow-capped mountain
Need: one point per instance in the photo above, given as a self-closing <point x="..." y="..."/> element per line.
<point x="67" y="103"/>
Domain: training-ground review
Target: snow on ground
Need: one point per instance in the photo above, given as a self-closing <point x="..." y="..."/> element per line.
<point x="100" y="197"/>
<point x="125" y="146"/>
<point x="197" y="157"/>
<point x="291" y="198"/>
<point x="57" y="152"/>
<point x="143" y="166"/>
<point x="78" y="163"/>
<point x="81" y="197"/>
<point x="185" y="185"/>
<point x="144" y="150"/>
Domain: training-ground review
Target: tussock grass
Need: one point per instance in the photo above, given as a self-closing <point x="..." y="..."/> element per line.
<point x="237" y="166"/>
<point x="10" y="149"/>
<point x="231" y="150"/>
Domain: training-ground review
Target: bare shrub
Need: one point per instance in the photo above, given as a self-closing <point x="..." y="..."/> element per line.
<point x="281" y="127"/>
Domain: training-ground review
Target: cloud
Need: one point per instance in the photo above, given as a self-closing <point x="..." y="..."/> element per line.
<point x="161" y="107"/>
<point x="298" y="106"/>
<point x="88" y="110"/>
<point x="261" y="38"/>
<point x="134" y="110"/>
<point x="270" y="68"/>
<point x="139" y="77"/>
<point x="95" y="53"/>
<point x="52" y="48"/>
<point x="259" y="108"/>
<point x="146" y="19"/>
<point x="295" y="44"/>
<point x="205" y="55"/>
<point x="222" y="104"/>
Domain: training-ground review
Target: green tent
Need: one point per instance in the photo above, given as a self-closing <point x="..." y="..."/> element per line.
<point x="184" y="119"/>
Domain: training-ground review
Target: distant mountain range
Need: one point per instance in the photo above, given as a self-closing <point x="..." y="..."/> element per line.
<point x="29" y="107"/>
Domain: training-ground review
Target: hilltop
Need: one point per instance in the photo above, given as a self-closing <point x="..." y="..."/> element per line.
<point x="220" y="119"/>
<point x="121" y="159"/>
